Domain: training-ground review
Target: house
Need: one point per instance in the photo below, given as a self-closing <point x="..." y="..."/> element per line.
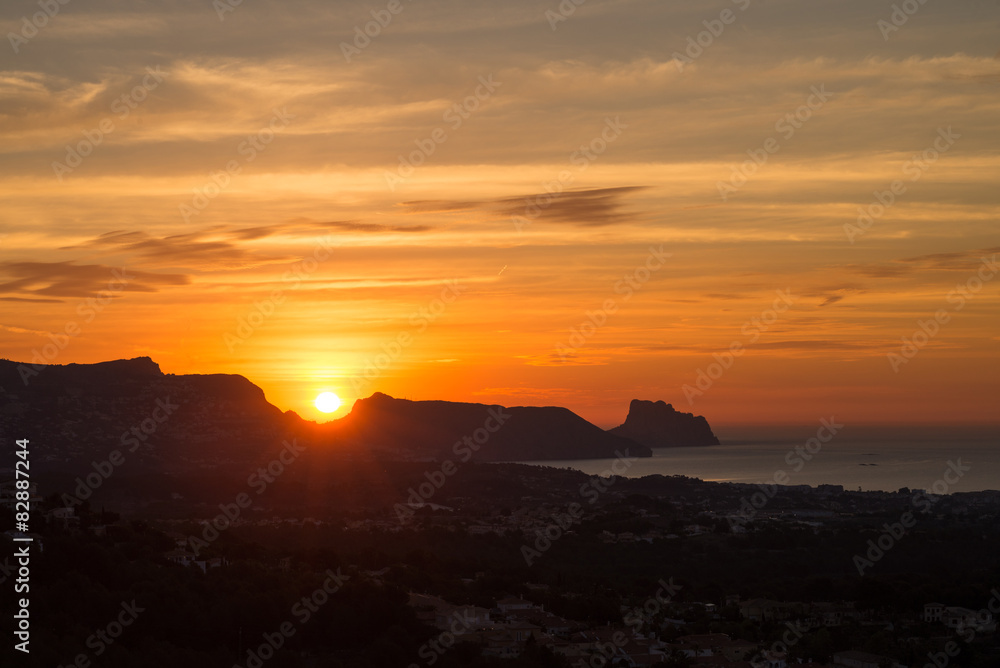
<point x="483" y="529"/>
<point x="501" y="645"/>
<point x="63" y="517"/>
<point x="739" y="650"/>
<point x="706" y="644"/>
<point x="545" y="620"/>
<point x="963" y="618"/>
<point x="510" y="603"/>
<point x="958" y="618"/>
<point x="932" y="612"/>
<point x="444" y="615"/>
<point x="601" y="646"/>
<point x="772" y="659"/>
<point x="765" y="610"/>
<point x="181" y="557"/>
<point x="831" y="614"/>
<point x="521" y="631"/>
<point x="185" y="558"/>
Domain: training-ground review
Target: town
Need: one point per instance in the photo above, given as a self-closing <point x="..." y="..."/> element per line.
<point x="674" y="572"/>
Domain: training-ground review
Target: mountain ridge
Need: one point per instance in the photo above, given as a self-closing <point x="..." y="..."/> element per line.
<point x="520" y="433"/>
<point x="78" y="413"/>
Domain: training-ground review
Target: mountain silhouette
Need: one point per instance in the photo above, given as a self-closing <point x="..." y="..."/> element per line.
<point x="76" y="414"/>
<point x="404" y="429"/>
<point x="659" y="425"/>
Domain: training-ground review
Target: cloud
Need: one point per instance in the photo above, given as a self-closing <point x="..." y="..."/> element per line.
<point x="305" y="227"/>
<point x="953" y="261"/>
<point x="880" y="270"/>
<point x="22" y="330"/>
<point x="832" y="295"/>
<point x="584" y="208"/>
<point x="223" y="248"/>
<point x="823" y="345"/>
<point x="66" y="279"/>
<point x="724" y="296"/>
<point x="571" y="358"/>
<point x="34" y="301"/>
<point x="206" y="249"/>
<point x="351" y="226"/>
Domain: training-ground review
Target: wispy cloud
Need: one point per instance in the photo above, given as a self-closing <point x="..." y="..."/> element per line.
<point x="586" y="208"/>
<point x="66" y="279"/>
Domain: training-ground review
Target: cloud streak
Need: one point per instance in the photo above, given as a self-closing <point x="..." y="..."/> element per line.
<point x="66" y="279"/>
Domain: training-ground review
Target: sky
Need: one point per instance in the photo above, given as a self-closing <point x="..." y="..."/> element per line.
<point x="764" y="212"/>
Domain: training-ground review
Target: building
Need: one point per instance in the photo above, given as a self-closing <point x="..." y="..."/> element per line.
<point x="8" y="495"/>
<point x="185" y="558"/>
<point x="64" y="517"/>
<point x="955" y="617"/>
<point x="510" y="603"/>
<point x="963" y="618"/>
<point x="444" y="615"/>
<point x="932" y="612"/>
<point x="764" y="610"/>
<point x="180" y="557"/>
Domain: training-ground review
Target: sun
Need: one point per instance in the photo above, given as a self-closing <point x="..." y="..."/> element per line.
<point x="327" y="402"/>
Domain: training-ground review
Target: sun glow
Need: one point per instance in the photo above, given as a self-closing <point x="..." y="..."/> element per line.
<point x="327" y="402"/>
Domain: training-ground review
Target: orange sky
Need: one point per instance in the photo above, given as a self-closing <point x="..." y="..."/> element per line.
<point x="461" y="278"/>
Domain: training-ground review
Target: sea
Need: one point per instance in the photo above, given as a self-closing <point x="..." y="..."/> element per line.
<point x="860" y="458"/>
